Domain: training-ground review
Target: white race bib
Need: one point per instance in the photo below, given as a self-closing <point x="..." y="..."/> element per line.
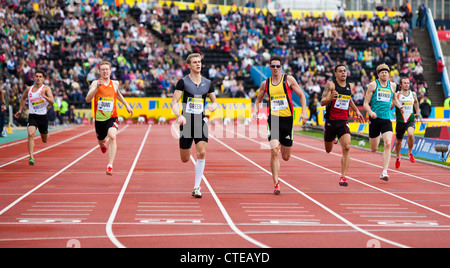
<point x="194" y="105"/>
<point x="384" y="94"/>
<point x="342" y="102"/>
<point x="105" y="104"/>
<point x="278" y="102"/>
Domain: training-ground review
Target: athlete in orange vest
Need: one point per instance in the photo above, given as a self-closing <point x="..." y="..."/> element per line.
<point x="105" y="93"/>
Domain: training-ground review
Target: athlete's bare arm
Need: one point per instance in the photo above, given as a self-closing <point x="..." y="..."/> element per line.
<point x="292" y="83"/>
<point x="121" y="98"/>
<point x="368" y="96"/>
<point x="48" y="95"/>
<point x="22" y="102"/>
<point x="261" y="94"/>
<point x="329" y="94"/>
<point x="174" y="105"/>
<point x="354" y="108"/>
<point x="93" y="88"/>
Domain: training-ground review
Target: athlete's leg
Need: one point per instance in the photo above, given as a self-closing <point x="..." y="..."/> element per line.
<point x="328" y="146"/>
<point x="31" y="132"/>
<point x="185" y="155"/>
<point x="345" y="160"/>
<point x="112" y="134"/>
<point x="410" y="132"/>
<point x="387" y="139"/>
<point x="374" y="142"/>
<point x="200" y="164"/>
<point x="274" y="160"/>
<point x="285" y="152"/>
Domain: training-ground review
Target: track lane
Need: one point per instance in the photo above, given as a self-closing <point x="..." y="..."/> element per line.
<point x="75" y="204"/>
<point x="323" y="192"/>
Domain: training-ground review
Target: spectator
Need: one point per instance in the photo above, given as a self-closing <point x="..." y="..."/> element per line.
<point x="447" y="101"/>
<point x="440" y="69"/>
<point x="425" y="107"/>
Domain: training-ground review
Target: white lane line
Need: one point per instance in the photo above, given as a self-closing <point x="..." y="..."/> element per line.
<point x="49" y="179"/>
<point x="47" y="148"/>
<point x="313" y="200"/>
<point x="110" y="222"/>
<point x="375" y="165"/>
<point x="227" y="216"/>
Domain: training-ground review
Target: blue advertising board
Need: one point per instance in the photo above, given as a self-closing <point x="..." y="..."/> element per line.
<point x="424" y="147"/>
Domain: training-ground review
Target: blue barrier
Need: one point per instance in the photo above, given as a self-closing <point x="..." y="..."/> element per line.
<point x="424" y="148"/>
<point x="437" y="50"/>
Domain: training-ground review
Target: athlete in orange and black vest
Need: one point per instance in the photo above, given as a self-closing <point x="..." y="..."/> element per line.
<point x="279" y="87"/>
<point x="105" y="93"/>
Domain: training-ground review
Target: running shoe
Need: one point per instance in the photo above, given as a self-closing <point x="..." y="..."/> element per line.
<point x="397" y="162"/>
<point x="411" y="158"/>
<point x="104" y="149"/>
<point x="335" y="141"/>
<point x="196" y="193"/>
<point x="109" y="170"/>
<point x="343" y="182"/>
<point x="31" y="161"/>
<point x="277" y="189"/>
<point x="384" y="177"/>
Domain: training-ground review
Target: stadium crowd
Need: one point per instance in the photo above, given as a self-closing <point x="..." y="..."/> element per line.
<point x="68" y="39"/>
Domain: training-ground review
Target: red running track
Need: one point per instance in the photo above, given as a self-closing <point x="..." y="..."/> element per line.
<point x="67" y="200"/>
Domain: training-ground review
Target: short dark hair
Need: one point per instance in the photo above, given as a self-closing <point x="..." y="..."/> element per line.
<point x="40" y="71"/>
<point x="339" y="65"/>
<point x="276" y="57"/>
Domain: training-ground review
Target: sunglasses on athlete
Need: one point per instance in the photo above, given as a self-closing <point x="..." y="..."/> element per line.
<point x="275" y="66"/>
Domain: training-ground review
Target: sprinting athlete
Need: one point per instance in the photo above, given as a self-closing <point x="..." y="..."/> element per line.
<point x="377" y="103"/>
<point x="337" y="97"/>
<point x="105" y="93"/>
<point x="280" y="123"/>
<point x="39" y="97"/>
<point x="193" y="90"/>
<point x="406" y="119"/>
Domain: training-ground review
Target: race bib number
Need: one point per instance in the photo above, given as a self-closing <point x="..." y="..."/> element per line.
<point x="278" y="102"/>
<point x="342" y="102"/>
<point x="408" y="106"/>
<point x="38" y="105"/>
<point x="194" y="105"/>
<point x="105" y="104"/>
<point x="384" y="94"/>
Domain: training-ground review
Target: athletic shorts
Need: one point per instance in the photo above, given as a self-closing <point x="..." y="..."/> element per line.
<point x="102" y="127"/>
<point x="400" y="128"/>
<point x="281" y="129"/>
<point x="38" y="121"/>
<point x="335" y="128"/>
<point x="195" y="129"/>
<point x="377" y="126"/>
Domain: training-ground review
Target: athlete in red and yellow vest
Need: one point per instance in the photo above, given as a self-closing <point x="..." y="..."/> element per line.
<point x="105" y="93"/>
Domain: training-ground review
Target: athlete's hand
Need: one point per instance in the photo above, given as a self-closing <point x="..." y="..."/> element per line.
<point x="212" y="106"/>
<point x="17" y="115"/>
<point x="334" y="95"/>
<point x="373" y="115"/>
<point x="255" y="116"/>
<point x="402" y="109"/>
<point x="129" y="110"/>
<point x="360" y="117"/>
<point x="181" y="120"/>
<point x="304" y="117"/>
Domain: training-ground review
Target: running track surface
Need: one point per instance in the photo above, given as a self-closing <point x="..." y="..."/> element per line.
<point x="66" y="200"/>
